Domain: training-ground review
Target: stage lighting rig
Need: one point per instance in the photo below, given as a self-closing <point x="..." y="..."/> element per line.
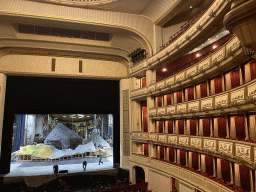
<point x="137" y="55"/>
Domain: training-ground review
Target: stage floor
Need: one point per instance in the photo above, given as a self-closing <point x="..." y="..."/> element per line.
<point x="46" y="167"/>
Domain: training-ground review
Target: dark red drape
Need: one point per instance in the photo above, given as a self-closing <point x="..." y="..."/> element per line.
<point x="182" y="157"/>
<point x="203" y="88"/>
<point x="171" y="154"/>
<point x="190" y="93"/>
<point x="222" y="127"/>
<point x="218" y="85"/>
<point x="160" y="126"/>
<point x="240" y="129"/>
<point x="192" y="126"/>
<point x="179" y="96"/>
<point x="225" y="170"/>
<point x="146" y="150"/>
<point x="173" y="184"/>
<point x="253" y="69"/>
<point x="170" y="127"/>
<point x="245" y="177"/>
<point x="159" y="101"/>
<point x="161" y="153"/>
<point x="144" y="82"/>
<point x="145" y="119"/>
<point x="181" y="127"/>
<point x="169" y="99"/>
<point x="206" y="127"/>
<point x="208" y="165"/>
<point x="235" y="79"/>
<point x="195" y="161"/>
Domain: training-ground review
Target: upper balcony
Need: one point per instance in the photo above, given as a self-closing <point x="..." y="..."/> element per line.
<point x="193" y="37"/>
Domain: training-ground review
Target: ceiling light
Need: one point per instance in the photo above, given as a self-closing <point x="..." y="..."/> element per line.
<point x="88" y="116"/>
<point x="65" y="116"/>
<point x="197" y="55"/>
<point x="190" y="7"/>
<point x="214" y="46"/>
<point x="164" y="69"/>
<point x="208" y="39"/>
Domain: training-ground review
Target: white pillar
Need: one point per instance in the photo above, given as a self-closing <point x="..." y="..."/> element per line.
<point x="227" y="127"/>
<point x="2" y="101"/>
<point x="214" y="167"/>
<point x="251" y="181"/>
<point x="231" y="173"/>
<point x="246" y="128"/>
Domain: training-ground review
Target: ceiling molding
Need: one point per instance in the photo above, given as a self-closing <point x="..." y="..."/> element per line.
<point x="62" y="53"/>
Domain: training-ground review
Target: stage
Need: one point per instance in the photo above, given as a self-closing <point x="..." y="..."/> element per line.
<point x="37" y="173"/>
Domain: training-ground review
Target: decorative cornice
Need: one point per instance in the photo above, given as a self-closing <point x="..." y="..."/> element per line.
<point x="78" y="3"/>
<point x="61" y="53"/>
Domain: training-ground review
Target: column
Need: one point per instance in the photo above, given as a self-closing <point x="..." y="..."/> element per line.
<point x="251" y="181"/>
<point x="211" y="127"/>
<point x="208" y="87"/>
<point x="214" y="167"/>
<point x="231" y="173"/>
<point x="197" y="126"/>
<point x="186" y="158"/>
<point x="223" y="82"/>
<point x="246" y="127"/>
<point x="175" y="155"/>
<point x="227" y="127"/>
<point x="240" y="75"/>
<point x="199" y="162"/>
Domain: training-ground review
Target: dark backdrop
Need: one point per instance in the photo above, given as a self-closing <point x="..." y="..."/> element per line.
<point x="41" y="95"/>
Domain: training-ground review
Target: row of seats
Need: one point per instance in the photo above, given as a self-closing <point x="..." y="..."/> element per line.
<point x="183" y="28"/>
<point x="216" y="169"/>
<point x="189" y="60"/>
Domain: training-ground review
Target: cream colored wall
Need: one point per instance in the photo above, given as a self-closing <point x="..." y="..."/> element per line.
<point x="41" y="65"/>
<point x="7" y="30"/>
<point x="169" y="31"/>
<point x="124" y="160"/>
<point x="131" y="22"/>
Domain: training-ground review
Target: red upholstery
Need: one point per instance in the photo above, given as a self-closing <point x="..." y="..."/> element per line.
<point x="143" y="82"/>
<point x="169" y="99"/>
<point x="218" y="85"/>
<point x="245" y="177"/>
<point x="182" y="157"/>
<point x="222" y="132"/>
<point x="208" y="165"/>
<point x="240" y="128"/>
<point x="145" y="146"/>
<point x="192" y="126"/>
<point x="206" y="127"/>
<point x="225" y="170"/>
<point x="180" y="127"/>
<point x="170" y="127"/>
<point x="171" y="154"/>
<point x="235" y="79"/>
<point x="195" y="160"/>
<point x="203" y="88"/>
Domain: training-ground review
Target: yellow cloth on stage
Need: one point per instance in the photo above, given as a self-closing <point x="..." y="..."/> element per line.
<point x="39" y="150"/>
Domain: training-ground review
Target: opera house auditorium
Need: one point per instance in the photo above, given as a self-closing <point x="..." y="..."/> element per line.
<point x="128" y="95"/>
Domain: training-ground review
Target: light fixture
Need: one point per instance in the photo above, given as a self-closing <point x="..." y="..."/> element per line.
<point x="164" y="69"/>
<point x="209" y="39"/>
<point x="88" y="116"/>
<point x="65" y="116"/>
<point x="214" y="46"/>
<point x="190" y="7"/>
<point x="197" y="55"/>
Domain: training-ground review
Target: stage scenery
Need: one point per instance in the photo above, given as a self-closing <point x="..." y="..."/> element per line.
<point x="45" y="144"/>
